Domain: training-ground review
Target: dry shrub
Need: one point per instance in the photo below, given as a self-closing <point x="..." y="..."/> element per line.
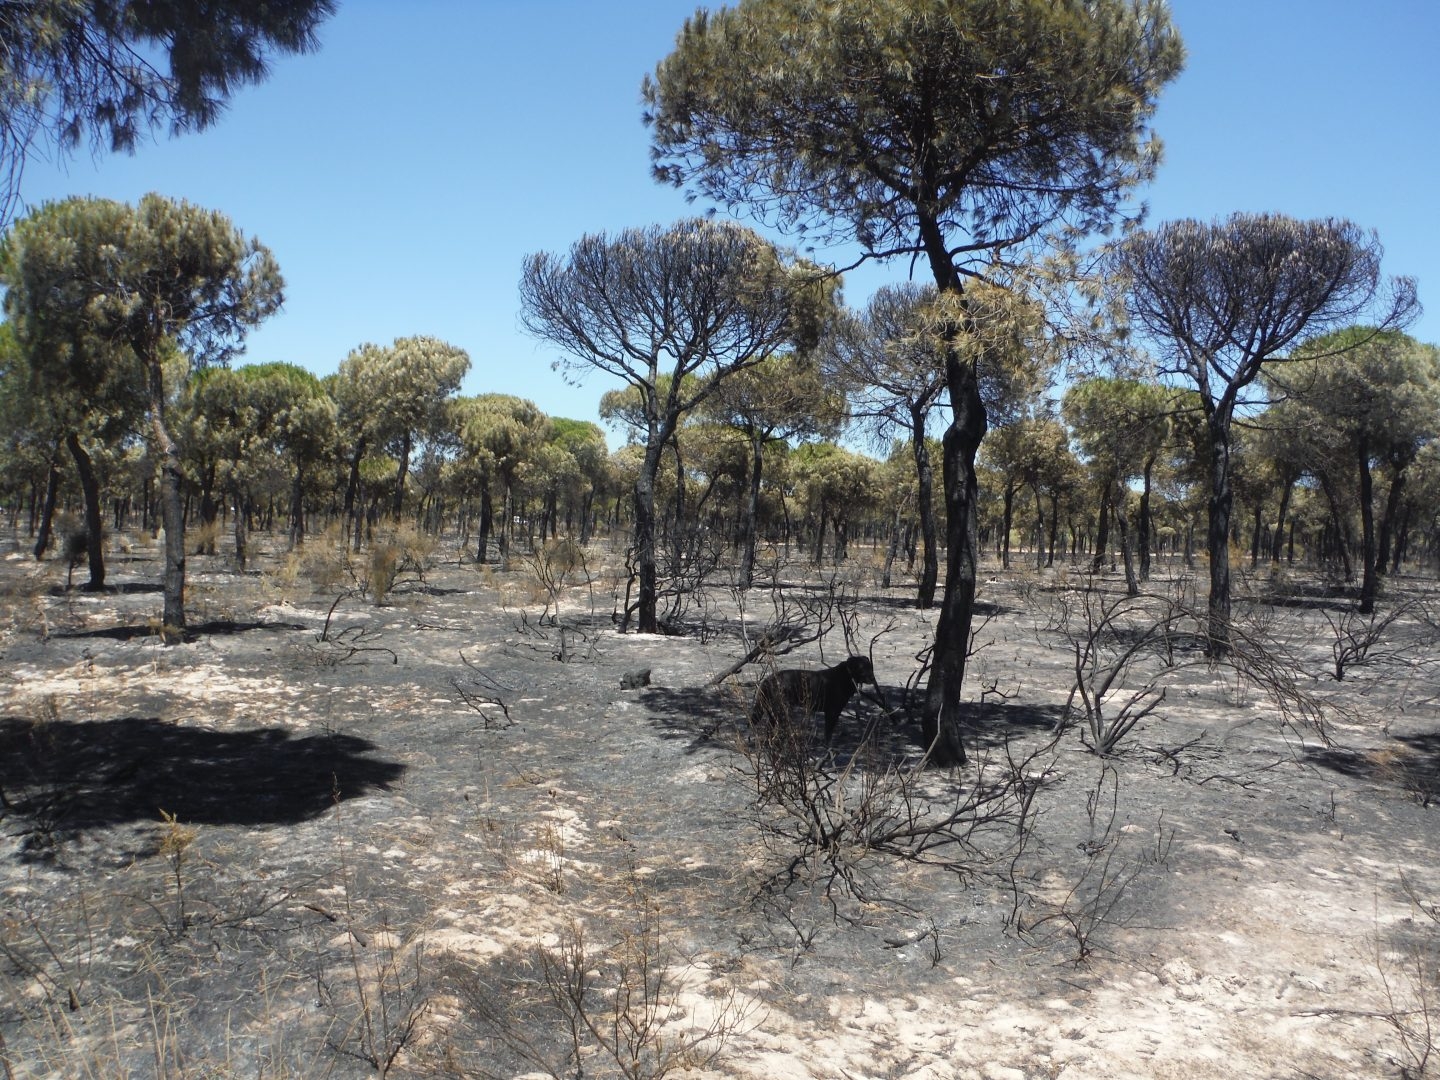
<point x="204" y="537"/>
<point x="23" y="602"/>
<point x="1413" y="773"/>
<point x="326" y="560"/>
<point x="554" y="566"/>
<point x="282" y="581"/>
<point x="631" y="1006"/>
<point x="382" y="569"/>
<point x="404" y="552"/>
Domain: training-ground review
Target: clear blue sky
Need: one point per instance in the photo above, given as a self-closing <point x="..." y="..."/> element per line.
<point x="402" y="173"/>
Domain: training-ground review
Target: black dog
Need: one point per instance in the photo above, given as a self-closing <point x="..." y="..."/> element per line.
<point x="787" y="694"/>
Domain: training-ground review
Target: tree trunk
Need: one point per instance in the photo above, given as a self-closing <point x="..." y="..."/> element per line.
<point x="1127" y="542"/>
<point x="1006" y="519"/>
<point x="1102" y="531"/>
<point x="242" y="515"/>
<point x="208" y="510"/>
<point x="925" y="493"/>
<point x="1402" y="538"/>
<point x="400" y="476"/>
<point x="677" y="536"/>
<point x="94" y="527"/>
<point x="891" y="549"/>
<point x="786" y="525"/>
<point x="352" y="489"/>
<point x="297" y="509"/>
<point x="1390" y="516"/>
<point x="1277" y="542"/>
<point x="172" y="625"/>
<point x="506" y="514"/>
<point x="752" y="510"/>
<point x="1218" y="533"/>
<point x="47" y="513"/>
<point x="1146" y="527"/>
<point x="1342" y="542"/>
<point x="819" y="557"/>
<point x="647" y="620"/>
<point x="487" y="520"/>
<point x="1039" y="528"/>
<point x="941" y="722"/>
<point x="1054" y="528"/>
<point x="1369" y="579"/>
<point x="1257" y="526"/>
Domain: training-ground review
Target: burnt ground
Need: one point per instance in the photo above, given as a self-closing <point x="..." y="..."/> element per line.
<point x="435" y="837"/>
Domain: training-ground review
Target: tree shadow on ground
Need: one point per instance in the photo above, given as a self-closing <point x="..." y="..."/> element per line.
<point x="1317" y="596"/>
<point x="125" y="588"/>
<point x="1161" y="644"/>
<point x="1307" y="603"/>
<point x="701" y="715"/>
<point x="991" y="725"/>
<point x="426" y="590"/>
<point x="1414" y="769"/>
<point x="984" y="609"/>
<point x="193" y="632"/>
<point x="63" y="777"/>
<point x="707" y="716"/>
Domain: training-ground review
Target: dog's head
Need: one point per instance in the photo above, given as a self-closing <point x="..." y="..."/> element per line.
<point x="860" y="670"/>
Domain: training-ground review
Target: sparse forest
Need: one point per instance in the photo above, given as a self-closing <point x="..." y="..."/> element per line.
<point x="353" y="724"/>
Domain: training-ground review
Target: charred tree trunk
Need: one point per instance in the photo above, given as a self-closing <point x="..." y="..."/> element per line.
<point x="401" y="474"/>
<point x="351" y="511"/>
<point x="1006" y="520"/>
<point x="1145" y="529"/>
<point x="677" y="535"/>
<point x="487" y="522"/>
<point x="891" y="549"/>
<point x="1127" y="541"/>
<point x="587" y="516"/>
<point x="1039" y="529"/>
<point x="941" y="724"/>
<point x="1277" y="542"/>
<point x="1369" y="577"/>
<point x="94" y="526"/>
<point x="1257" y="526"/>
<point x="297" y="509"/>
<point x="1221" y="502"/>
<point x="242" y="524"/>
<point x="1389" y="517"/>
<point x="647" y="621"/>
<point x="824" y="520"/>
<point x="172" y="626"/>
<point x="1402" y="538"/>
<point x="752" y="511"/>
<point x="1054" y="528"/>
<point x="925" y="494"/>
<point x="209" y="511"/>
<point x="47" y="512"/>
<point x="507" y="515"/>
<point x="1102" y="531"/>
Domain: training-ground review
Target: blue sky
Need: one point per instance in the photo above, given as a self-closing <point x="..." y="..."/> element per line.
<point x="402" y="173"/>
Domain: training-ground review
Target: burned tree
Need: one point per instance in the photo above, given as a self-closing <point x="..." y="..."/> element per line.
<point x="950" y="133"/>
